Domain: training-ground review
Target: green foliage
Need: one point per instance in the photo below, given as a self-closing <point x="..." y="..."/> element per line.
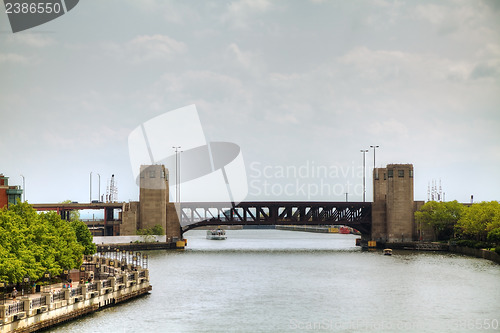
<point x="466" y="243"/>
<point x="441" y="216"/>
<point x="74" y="214"/>
<point x="478" y="219"/>
<point x="156" y="230"/>
<point x="84" y="237"/>
<point x="494" y="236"/>
<point x="497" y="249"/>
<point x="32" y="243"/>
<point x="82" y="232"/>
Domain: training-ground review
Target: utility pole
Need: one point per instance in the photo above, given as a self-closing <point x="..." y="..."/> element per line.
<point x="90" y="200"/>
<point x="177" y="178"/>
<point x="24" y="189"/>
<point x="374" y="147"/>
<point x="364" y="151"/>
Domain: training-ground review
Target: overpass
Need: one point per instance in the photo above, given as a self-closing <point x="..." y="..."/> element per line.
<point x="109" y="225"/>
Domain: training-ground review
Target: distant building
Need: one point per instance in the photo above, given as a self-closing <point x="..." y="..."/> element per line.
<point x="8" y="194"/>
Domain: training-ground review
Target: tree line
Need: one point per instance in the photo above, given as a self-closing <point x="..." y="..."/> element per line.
<point x="477" y="223"/>
<point x="33" y="243"/>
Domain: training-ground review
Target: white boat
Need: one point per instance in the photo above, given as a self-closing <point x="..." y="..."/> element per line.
<point x="216" y="234"/>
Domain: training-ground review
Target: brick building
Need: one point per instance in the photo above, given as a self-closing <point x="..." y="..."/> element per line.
<point x="8" y="194"/>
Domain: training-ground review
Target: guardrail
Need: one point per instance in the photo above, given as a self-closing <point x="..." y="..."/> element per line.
<point x="38" y="302"/>
<point x="59" y="295"/>
<point x="15" y="308"/>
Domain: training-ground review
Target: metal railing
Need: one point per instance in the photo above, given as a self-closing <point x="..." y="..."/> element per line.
<point x="119" y="279"/>
<point x="59" y="295"/>
<point x="131" y="277"/>
<point x="75" y="292"/>
<point x="15" y="308"/>
<point x="38" y="302"/>
<point x="142" y="274"/>
<point x="92" y="287"/>
<point x="106" y="284"/>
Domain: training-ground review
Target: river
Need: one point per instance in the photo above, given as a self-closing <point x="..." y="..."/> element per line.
<point x="287" y="281"/>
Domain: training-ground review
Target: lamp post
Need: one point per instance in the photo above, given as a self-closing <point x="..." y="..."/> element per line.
<point x="26" y="281"/>
<point x="177" y="178"/>
<point x="364" y="151"/>
<point x="374" y="147"/>
<point x="24" y="189"/>
<point x="99" y="197"/>
<point x="90" y="196"/>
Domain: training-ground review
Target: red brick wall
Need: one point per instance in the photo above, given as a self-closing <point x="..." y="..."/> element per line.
<point x="4" y="199"/>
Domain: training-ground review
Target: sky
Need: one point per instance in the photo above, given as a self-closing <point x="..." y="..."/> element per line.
<point x="300" y="86"/>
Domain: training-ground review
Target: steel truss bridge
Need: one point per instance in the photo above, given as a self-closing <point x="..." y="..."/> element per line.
<point x="357" y="215"/>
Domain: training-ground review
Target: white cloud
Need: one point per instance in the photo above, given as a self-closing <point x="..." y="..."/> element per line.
<point x="14" y="58"/>
<point x="239" y="13"/>
<point x="146" y="48"/>
<point x="31" y="39"/>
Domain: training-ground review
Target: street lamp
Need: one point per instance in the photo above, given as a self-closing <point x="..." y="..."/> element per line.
<point x="177" y="178"/>
<point x="24" y="189"/>
<point x="99" y="197"/>
<point x="90" y="200"/>
<point x="364" y="151"/>
<point x="26" y="281"/>
<point x="374" y="147"/>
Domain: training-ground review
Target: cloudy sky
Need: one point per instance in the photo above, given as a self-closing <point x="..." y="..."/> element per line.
<point x="298" y="85"/>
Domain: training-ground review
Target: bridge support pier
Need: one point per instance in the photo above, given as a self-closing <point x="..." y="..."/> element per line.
<point x="393" y="205"/>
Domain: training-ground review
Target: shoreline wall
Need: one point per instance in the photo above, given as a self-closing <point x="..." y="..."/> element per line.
<point x="33" y="314"/>
<point x="478" y="253"/>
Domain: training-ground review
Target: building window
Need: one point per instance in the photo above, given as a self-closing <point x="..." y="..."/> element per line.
<point x="376" y="174"/>
<point x="385" y="176"/>
<point x="401" y="173"/>
<point x="151" y="174"/>
<point x="390" y="173"/>
<point x="411" y="173"/>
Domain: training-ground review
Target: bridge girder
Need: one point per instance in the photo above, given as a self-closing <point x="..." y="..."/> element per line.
<point x="354" y="214"/>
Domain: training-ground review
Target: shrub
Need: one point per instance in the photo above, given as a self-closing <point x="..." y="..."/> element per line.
<point x="466" y="243"/>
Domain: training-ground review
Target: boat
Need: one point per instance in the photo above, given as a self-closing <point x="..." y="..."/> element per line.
<point x="344" y="230"/>
<point x="388" y="252"/>
<point x="216" y="234"/>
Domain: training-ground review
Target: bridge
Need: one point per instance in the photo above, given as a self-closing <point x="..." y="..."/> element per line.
<point x="389" y="218"/>
<point x="108" y="226"/>
<point x="353" y="214"/>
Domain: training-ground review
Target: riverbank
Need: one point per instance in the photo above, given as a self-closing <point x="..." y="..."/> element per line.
<point x="478" y="253"/>
<point x="114" y="283"/>
<point x="435" y="246"/>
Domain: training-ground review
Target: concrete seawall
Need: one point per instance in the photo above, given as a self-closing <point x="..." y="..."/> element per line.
<point x="478" y="253"/>
<point x="35" y="312"/>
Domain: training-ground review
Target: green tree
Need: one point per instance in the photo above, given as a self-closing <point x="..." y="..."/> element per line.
<point x="74" y="214"/>
<point x="156" y="230"/>
<point x="84" y="237"/>
<point x="478" y="219"/>
<point x="441" y="216"/>
<point x="33" y="243"/>
<point x="494" y="236"/>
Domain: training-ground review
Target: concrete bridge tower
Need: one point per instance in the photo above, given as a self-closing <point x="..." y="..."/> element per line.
<point x="153" y="207"/>
<point x="393" y="204"/>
